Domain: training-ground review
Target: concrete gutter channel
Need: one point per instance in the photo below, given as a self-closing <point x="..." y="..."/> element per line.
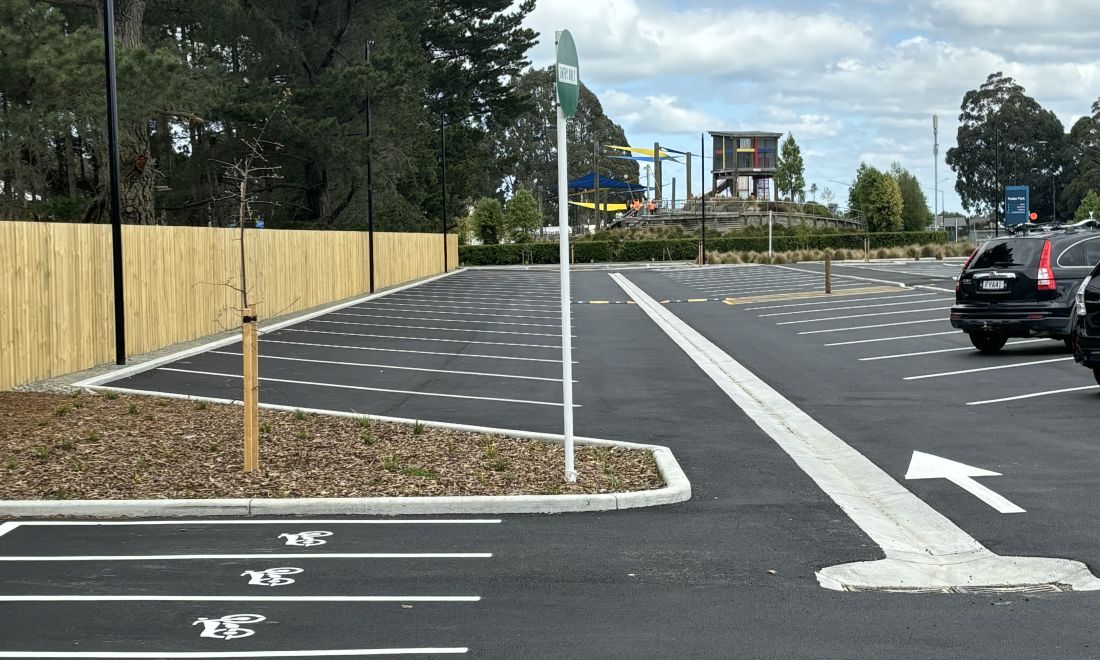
<point x="677" y="487"/>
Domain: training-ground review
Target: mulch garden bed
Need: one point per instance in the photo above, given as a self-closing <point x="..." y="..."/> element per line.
<point x="107" y="446"/>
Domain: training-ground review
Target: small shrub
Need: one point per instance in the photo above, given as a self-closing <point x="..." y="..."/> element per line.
<point x="301" y="415"/>
<point x="41" y="453"/>
<point x="302" y="434"/>
<point x="265" y="428"/>
<point x="498" y="466"/>
<point x="418" y="428"/>
<point x="76" y="465"/>
<point x="200" y="405"/>
<point x="489" y="452"/>
<point x="11" y="464"/>
<point x="366" y="438"/>
<point x="92" y="436"/>
<point x="61" y="411"/>
<point x="111" y="396"/>
<point x="928" y="251"/>
<point x="66" y="445"/>
<point x="141" y="464"/>
<point x="363" y="422"/>
<point x="390" y="463"/>
<point x="131" y="409"/>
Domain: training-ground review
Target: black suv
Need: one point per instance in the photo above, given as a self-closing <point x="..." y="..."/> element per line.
<point x="1086" y="349"/>
<point x="1023" y="285"/>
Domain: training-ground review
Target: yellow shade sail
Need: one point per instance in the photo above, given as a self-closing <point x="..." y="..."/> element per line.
<point x="603" y="207"/>
<point x="639" y="150"/>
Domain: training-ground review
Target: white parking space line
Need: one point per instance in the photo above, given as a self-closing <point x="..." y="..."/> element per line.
<point x="478" y="374"/>
<point x="254" y="555"/>
<point x="942" y="350"/>
<point x="1034" y="395"/>
<point x="840" y="309"/>
<point x="998" y="367"/>
<point x="250" y="521"/>
<point x="459" y="298"/>
<point x="211" y="655"/>
<point x="422" y="327"/>
<point x="419" y="318"/>
<point x="362" y="388"/>
<point x="434" y="311"/>
<point x="400" y="338"/>
<point x="848" y="300"/>
<point x="741" y="291"/>
<point x="483" y="288"/>
<point x="7" y="527"/>
<point x="479" y="302"/>
<point x="503" y="310"/>
<point x="241" y="599"/>
<point x="948" y="272"/>
<point x="402" y="350"/>
<point x="871" y="327"/>
<point x="879" y="339"/>
<point x="863" y="316"/>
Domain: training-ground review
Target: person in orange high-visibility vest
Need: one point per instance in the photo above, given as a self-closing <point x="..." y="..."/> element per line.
<point x="651" y="207"/>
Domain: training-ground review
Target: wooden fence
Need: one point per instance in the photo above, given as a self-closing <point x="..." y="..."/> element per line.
<point x="57" y="301"/>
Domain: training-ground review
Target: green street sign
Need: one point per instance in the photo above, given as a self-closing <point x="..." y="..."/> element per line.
<point x="569" y="74"/>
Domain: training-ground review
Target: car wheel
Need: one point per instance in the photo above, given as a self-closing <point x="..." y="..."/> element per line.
<point x="988" y="342"/>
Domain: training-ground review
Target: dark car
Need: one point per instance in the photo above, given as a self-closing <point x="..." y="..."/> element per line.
<point x="1086" y="349"/>
<point x="1023" y="285"/>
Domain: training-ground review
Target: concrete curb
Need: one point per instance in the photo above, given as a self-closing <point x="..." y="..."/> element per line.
<point x="677" y="489"/>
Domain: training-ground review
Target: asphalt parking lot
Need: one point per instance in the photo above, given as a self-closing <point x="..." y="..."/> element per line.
<point x="730" y="573"/>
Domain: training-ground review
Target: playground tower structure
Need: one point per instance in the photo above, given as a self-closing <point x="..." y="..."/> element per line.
<point x="744" y="163"/>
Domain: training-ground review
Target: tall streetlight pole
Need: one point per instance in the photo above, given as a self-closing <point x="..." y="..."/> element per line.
<point x="936" y="166"/>
<point x="443" y="153"/>
<point x="116" y="176"/>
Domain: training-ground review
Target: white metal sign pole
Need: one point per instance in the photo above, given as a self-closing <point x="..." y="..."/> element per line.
<point x="566" y="324"/>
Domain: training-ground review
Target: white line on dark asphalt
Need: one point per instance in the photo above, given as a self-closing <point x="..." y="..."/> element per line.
<point x="233" y="654"/>
<point x="869" y="327"/>
<point x="421" y="327"/>
<point x="503" y="309"/>
<point x="494" y="302"/>
<point x="895" y="296"/>
<point x="420" y="318"/>
<point x="840" y="309"/>
<point x="362" y="388"/>
<point x="1034" y="395"/>
<point x="981" y="369"/>
<point x="260" y="555"/>
<point x="243" y="599"/>
<point x="403" y="350"/>
<point x="435" y="311"/>
<point x="923" y="548"/>
<point x="878" y="339"/>
<point x="392" y="366"/>
<point x="274" y="521"/>
<point x="399" y="338"/>
<point x="942" y="350"/>
<point x="7" y="527"/>
<point x="863" y="316"/>
<point x="457" y="297"/>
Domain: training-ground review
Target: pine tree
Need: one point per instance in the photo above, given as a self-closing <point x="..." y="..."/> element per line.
<point x="790" y="171"/>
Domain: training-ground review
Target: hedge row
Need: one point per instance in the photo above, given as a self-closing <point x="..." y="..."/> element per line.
<point x="681" y="249"/>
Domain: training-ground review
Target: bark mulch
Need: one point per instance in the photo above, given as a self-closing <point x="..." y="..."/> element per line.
<point x="96" y="446"/>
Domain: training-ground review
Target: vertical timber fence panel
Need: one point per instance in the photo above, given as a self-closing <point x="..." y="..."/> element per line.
<point x="56" y="293"/>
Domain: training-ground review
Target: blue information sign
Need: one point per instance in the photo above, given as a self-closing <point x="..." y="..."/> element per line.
<point x="1017" y="205"/>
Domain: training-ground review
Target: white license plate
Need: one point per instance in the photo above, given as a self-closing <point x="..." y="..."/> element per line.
<point x="993" y="285"/>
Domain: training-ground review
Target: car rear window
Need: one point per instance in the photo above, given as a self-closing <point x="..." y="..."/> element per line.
<point x="1008" y="253"/>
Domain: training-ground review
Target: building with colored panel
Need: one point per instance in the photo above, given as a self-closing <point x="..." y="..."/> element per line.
<point x="744" y="164"/>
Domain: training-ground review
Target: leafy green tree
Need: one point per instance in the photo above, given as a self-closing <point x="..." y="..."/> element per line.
<point x="1081" y="159"/>
<point x="488" y="220"/>
<point x="884" y="212"/>
<point x="1089" y="207"/>
<point x="915" y="215"/>
<point x="1004" y="138"/>
<point x="521" y="216"/>
<point x="860" y="190"/>
<point x="790" y="171"/>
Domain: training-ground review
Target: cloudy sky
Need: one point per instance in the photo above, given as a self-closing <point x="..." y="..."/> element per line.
<point x="853" y="81"/>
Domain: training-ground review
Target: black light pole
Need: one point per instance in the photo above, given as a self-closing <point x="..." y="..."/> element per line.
<point x="443" y="150"/>
<point x="370" y="183"/>
<point x="703" y="197"/>
<point x="115" y="174"/>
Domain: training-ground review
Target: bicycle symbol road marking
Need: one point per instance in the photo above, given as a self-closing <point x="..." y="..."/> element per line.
<point x="305" y="539"/>
<point x="228" y="626"/>
<point x="272" y="577"/>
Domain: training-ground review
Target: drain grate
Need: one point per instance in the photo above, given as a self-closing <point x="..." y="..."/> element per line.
<point x="1046" y="588"/>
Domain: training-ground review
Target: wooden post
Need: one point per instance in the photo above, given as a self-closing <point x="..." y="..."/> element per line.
<point x="251" y="391"/>
<point x="866" y="249"/>
<point x="828" y="272"/>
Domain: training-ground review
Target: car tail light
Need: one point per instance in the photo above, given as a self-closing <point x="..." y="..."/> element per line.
<point x="1079" y="299"/>
<point x="1045" y="277"/>
<point x="966" y="265"/>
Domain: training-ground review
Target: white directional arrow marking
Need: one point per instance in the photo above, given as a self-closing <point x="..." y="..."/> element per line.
<point x="927" y="466"/>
